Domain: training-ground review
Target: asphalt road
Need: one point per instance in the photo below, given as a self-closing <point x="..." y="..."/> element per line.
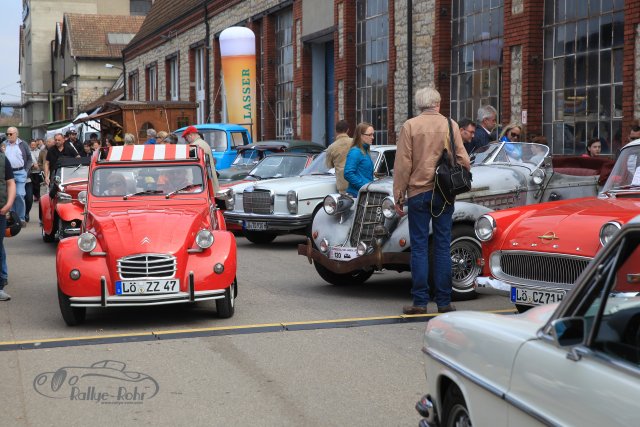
<point x="285" y="358"/>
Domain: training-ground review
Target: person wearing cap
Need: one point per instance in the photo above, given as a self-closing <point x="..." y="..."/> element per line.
<point x="192" y="136"/>
<point x="7" y="196"/>
<point x="72" y="139"/>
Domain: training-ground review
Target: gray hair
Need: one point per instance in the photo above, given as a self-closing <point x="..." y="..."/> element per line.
<point x="427" y="97"/>
<point x="129" y="139"/>
<point x="485" y="112"/>
<point x="15" y="130"/>
<point x="151" y="133"/>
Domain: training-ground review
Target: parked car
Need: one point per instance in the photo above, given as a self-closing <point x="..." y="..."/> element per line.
<point x="62" y="208"/>
<point x="266" y="209"/>
<point x="535" y="253"/>
<point x="151" y="235"/>
<point x="575" y="363"/>
<point x="224" y="140"/>
<point x="249" y="156"/>
<point x="351" y="238"/>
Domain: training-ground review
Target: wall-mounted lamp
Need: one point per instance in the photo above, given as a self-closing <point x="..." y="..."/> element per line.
<point x="112" y="66"/>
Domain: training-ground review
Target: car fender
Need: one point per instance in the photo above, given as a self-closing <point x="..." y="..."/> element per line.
<point x="222" y="251"/>
<point x="334" y="228"/>
<point x="69" y="211"/>
<point x="92" y="268"/>
<point x="46" y="213"/>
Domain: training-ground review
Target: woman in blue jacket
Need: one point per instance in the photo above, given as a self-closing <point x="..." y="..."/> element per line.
<point x="358" y="170"/>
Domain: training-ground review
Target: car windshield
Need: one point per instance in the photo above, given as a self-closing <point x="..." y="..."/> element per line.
<point x="510" y="152"/>
<point x="626" y="171"/>
<point x="217" y="139"/>
<point x="318" y="166"/>
<point x="250" y="157"/>
<point x="144" y="180"/>
<point x="70" y="174"/>
<point x="279" y="166"/>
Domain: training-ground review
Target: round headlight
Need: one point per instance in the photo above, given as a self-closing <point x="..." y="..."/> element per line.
<point x="388" y="208"/>
<point x="361" y="249"/>
<point x="537" y="176"/>
<point x="485" y="227"/>
<point x="82" y="197"/>
<point x="330" y="204"/>
<point x="87" y="242"/>
<point x="204" y="239"/>
<point x="608" y="231"/>
<point x="324" y="245"/>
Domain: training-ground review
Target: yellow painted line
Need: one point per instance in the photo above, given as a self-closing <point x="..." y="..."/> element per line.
<point x="226" y="328"/>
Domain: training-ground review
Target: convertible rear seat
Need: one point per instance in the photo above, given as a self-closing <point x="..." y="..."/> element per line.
<point x="577" y="171"/>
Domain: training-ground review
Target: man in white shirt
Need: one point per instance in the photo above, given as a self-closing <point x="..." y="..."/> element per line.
<point x="17" y="151"/>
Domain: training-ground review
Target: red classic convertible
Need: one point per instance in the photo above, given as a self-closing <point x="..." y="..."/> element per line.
<point x="536" y="252"/>
<point x="151" y="235"/>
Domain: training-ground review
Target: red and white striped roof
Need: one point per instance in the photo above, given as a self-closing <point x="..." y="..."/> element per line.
<point x="133" y="153"/>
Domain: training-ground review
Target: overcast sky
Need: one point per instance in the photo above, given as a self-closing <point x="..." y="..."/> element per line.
<point x="9" y="41"/>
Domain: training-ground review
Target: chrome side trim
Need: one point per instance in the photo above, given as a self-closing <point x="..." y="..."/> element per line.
<point x="517" y="403"/>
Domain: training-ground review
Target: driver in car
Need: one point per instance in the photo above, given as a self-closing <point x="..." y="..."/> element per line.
<point x="116" y="185"/>
<point x="173" y="179"/>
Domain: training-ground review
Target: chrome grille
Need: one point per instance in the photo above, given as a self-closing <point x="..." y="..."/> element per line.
<point x="531" y="268"/>
<point x="142" y="266"/>
<point x="368" y="215"/>
<point x="257" y="201"/>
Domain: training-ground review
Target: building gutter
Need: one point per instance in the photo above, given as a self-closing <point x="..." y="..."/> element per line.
<point x="409" y="59"/>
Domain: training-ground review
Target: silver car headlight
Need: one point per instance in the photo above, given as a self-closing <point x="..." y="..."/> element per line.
<point x="485" y="228"/>
<point x="388" y="208"/>
<point x="538" y="176"/>
<point x="609" y="230"/>
<point x="82" y="197"/>
<point x="87" y="242"/>
<point x="292" y="202"/>
<point x="324" y="246"/>
<point x="230" y="202"/>
<point x="204" y="239"/>
<point x="330" y="204"/>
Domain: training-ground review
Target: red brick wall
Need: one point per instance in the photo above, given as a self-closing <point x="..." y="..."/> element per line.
<point x="216" y="101"/>
<point x="301" y="80"/>
<point x="631" y="21"/>
<point x="269" y="71"/>
<point x="441" y="55"/>
<point x="345" y="67"/>
<point x="524" y="29"/>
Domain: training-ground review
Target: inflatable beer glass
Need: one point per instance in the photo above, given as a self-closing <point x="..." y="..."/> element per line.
<point x="238" y="54"/>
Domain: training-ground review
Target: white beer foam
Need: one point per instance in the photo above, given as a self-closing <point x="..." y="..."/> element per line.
<point x="236" y="41"/>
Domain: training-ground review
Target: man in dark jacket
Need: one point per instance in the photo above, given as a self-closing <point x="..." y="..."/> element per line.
<point x="487" y="121"/>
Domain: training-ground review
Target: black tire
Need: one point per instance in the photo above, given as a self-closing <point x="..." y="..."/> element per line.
<point x="259" y="237"/>
<point x="226" y="306"/>
<point x="47" y="238"/>
<point x="72" y="316"/>
<point x="454" y="409"/>
<point x="522" y="308"/>
<point x="353" y="278"/>
<point x="465" y="251"/>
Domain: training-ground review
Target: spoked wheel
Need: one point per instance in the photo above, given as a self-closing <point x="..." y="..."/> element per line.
<point x="72" y="316"/>
<point x="465" y="251"/>
<point x="354" y="278"/>
<point x="455" y="412"/>
<point x="226" y="306"/>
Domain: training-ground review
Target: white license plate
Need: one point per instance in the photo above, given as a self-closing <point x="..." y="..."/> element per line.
<point x="343" y="254"/>
<point x="255" y="226"/>
<point x="144" y="287"/>
<point x="535" y="296"/>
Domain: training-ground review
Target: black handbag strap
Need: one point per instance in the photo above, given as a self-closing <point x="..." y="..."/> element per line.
<point x="453" y="153"/>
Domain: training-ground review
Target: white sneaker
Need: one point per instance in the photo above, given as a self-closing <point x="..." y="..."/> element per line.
<point x="4" y="296"/>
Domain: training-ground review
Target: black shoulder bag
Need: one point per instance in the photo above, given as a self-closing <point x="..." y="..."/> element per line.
<point x="451" y="178"/>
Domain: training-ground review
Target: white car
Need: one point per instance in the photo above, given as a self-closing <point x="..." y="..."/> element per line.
<point x="575" y="363"/>
<point x="269" y="208"/>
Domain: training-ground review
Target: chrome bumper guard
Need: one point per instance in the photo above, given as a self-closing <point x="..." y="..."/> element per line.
<point x="377" y="259"/>
<point x="71" y="232"/>
<point x="489" y="285"/>
<point x="426" y="409"/>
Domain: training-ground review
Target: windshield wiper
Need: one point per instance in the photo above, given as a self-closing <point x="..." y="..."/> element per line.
<point x="258" y="177"/>
<point x="141" y="193"/>
<point x="186" y="187"/>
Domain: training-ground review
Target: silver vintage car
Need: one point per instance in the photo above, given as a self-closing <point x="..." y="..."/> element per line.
<point x="352" y="238"/>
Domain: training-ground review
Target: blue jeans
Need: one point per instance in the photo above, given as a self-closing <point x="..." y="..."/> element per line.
<point x="4" y="273"/>
<point x="18" y="205"/>
<point x="419" y="219"/>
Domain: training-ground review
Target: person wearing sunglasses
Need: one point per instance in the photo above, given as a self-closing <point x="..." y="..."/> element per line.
<point x="358" y="169"/>
<point x="511" y="133"/>
<point x="17" y="151"/>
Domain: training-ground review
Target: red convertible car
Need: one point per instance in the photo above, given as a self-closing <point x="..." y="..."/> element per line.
<point x="535" y="253"/>
<point x="151" y="235"/>
<point x="62" y="208"/>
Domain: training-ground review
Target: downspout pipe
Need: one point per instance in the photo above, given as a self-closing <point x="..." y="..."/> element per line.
<point x="409" y="59"/>
<point x="207" y="49"/>
<point x="124" y="78"/>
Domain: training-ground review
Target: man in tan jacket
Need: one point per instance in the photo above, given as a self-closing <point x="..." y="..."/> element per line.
<point x="337" y="154"/>
<point x="421" y="143"/>
<point x="192" y="136"/>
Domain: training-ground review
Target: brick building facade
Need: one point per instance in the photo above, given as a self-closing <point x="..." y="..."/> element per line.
<point x="569" y="69"/>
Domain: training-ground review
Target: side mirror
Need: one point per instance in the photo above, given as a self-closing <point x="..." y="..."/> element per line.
<point x="569" y="331"/>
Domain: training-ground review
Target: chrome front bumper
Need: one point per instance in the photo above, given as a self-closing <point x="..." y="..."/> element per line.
<point x="274" y="222"/>
<point x="489" y="285"/>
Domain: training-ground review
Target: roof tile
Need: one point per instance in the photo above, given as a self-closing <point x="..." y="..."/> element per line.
<point x="88" y="33"/>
